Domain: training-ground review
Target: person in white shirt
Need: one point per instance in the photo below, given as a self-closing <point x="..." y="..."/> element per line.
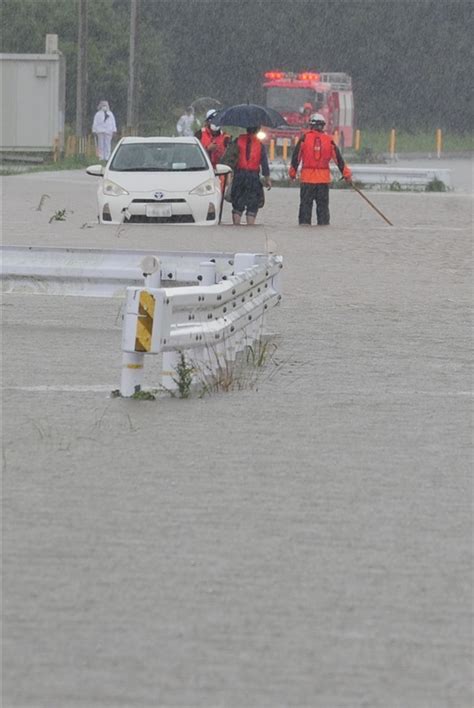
<point x="184" y="126"/>
<point x="104" y="128"/>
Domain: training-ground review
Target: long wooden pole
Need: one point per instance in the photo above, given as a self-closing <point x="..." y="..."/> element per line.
<point x="359" y="191"/>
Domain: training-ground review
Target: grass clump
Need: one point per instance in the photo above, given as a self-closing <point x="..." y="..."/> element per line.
<point x="139" y="395"/>
<point x="184" y="376"/>
<point x="59" y="215"/>
<point x="435" y="185"/>
<point x="224" y="374"/>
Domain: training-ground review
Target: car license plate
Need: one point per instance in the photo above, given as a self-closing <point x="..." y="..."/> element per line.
<point x="158" y="209"/>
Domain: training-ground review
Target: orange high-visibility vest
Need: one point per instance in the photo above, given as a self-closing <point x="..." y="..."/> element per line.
<point x="253" y="162"/>
<point x="221" y="139"/>
<point x="316" y="152"/>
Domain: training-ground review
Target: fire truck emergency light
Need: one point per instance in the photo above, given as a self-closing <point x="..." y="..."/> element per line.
<point x="308" y="76"/>
<point x="274" y="74"/>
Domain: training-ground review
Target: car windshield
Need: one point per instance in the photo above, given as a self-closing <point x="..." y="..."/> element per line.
<point x="289" y="99"/>
<point x="159" y="157"/>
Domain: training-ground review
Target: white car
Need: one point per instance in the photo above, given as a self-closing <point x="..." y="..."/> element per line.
<point x="159" y="180"/>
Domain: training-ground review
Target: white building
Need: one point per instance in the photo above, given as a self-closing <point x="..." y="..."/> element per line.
<point x="33" y="92"/>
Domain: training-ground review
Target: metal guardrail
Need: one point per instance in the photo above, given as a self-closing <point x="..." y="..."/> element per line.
<point x="378" y="175"/>
<point x="209" y="325"/>
<point x="97" y="272"/>
<point x="209" y="322"/>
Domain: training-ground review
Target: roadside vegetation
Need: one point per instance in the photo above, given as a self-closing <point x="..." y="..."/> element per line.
<point x="221" y="374"/>
<point x="377" y="142"/>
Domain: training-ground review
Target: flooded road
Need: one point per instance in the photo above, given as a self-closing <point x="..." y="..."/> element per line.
<point x="305" y="542"/>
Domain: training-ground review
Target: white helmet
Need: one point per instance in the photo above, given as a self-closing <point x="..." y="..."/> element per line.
<point x="317" y="118"/>
<point x="210" y="113"/>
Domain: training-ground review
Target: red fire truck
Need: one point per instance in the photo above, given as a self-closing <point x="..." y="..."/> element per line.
<point x="296" y="96"/>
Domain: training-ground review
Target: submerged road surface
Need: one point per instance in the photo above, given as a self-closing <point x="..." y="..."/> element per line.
<point x="305" y="542"/>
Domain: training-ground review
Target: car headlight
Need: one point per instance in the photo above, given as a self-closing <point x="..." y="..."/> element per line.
<point x="261" y="135"/>
<point x="205" y="188"/>
<point x="112" y="189"/>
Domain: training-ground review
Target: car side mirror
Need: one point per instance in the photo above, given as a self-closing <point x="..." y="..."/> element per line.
<point x="95" y="170"/>
<point x="222" y="169"/>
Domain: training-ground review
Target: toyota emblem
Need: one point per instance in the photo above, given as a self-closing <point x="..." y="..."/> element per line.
<point x="159" y="195"/>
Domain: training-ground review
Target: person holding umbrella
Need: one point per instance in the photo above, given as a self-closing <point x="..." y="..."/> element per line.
<point x="247" y="191"/>
<point x="314" y="151"/>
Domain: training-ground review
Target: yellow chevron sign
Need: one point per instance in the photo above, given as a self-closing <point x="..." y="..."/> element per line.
<point x="146" y="312"/>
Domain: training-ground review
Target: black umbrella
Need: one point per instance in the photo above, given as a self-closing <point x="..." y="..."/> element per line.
<point x="249" y="115"/>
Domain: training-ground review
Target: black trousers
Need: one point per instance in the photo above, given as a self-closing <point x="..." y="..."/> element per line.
<point x="310" y="193"/>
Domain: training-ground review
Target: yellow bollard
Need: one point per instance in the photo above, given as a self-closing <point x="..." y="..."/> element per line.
<point x="285" y="149"/>
<point x="439" y="141"/>
<point x="272" y="149"/>
<point x="392" y="144"/>
<point x="56" y="149"/>
<point x="357" y="141"/>
<point x="335" y="137"/>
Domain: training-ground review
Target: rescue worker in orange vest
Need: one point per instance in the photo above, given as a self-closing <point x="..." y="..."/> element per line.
<point x="314" y="150"/>
<point x="213" y="140"/>
<point x="247" y="191"/>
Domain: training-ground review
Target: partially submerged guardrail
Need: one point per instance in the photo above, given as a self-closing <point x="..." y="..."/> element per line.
<point x="379" y="175"/>
<point x="209" y="325"/>
<point x="94" y="272"/>
<point x="209" y="322"/>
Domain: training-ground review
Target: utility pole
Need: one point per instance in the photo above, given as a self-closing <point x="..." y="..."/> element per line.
<point x="81" y="76"/>
<point x="131" y="94"/>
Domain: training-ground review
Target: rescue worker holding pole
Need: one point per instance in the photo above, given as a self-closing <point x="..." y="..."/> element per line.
<point x="314" y="150"/>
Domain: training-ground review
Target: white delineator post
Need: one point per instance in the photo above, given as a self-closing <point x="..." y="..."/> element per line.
<point x="132" y="373"/>
<point x="133" y="362"/>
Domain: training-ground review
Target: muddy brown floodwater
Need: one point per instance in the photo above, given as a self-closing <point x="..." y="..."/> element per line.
<point x="304" y="543"/>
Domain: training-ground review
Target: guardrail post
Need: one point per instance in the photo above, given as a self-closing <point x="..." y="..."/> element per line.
<point x="207" y="275"/>
<point x="243" y="261"/>
<point x="150" y="266"/>
<point x="168" y="370"/>
<point x="132" y="373"/>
